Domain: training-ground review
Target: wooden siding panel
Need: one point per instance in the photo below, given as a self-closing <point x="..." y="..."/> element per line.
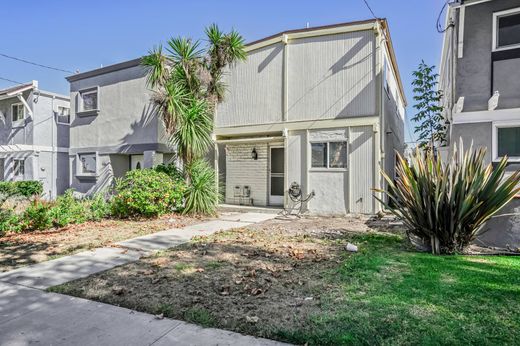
<point x="332" y="76"/>
<point x="361" y="169"/>
<point x="254" y="90"/>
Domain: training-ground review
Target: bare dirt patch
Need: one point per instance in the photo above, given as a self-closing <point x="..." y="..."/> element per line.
<point x="252" y="280"/>
<point x="20" y="249"/>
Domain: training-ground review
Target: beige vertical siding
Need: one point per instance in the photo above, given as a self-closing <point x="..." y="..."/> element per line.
<point x="254" y="90"/>
<point x="361" y="169"/>
<point x="241" y="170"/>
<point x="332" y="76"/>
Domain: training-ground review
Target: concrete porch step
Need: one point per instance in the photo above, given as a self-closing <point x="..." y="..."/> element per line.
<point x="223" y="208"/>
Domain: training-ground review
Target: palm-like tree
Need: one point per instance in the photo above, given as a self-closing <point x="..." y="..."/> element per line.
<point x="187" y="83"/>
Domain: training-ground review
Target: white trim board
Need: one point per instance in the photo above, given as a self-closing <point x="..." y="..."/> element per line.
<point x="496" y="15"/>
<point x="512" y="114"/>
<point x="16" y="148"/>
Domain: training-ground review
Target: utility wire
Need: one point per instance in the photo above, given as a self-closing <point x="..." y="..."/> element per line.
<point x="10" y="80"/>
<point x="370" y="9"/>
<point x="406" y="123"/>
<point x="35" y="64"/>
<point x="440" y="29"/>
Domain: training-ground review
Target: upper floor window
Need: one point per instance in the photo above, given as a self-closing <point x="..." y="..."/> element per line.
<point x="506" y="29"/>
<point x="329" y="155"/>
<point x="506" y="141"/>
<point x="88" y="100"/>
<point x="17" y="112"/>
<point x="63" y="115"/>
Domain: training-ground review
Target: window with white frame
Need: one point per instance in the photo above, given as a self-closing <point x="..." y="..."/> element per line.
<point x="506" y="29"/>
<point x="506" y="141"/>
<point x="19" y="168"/>
<point x="63" y="115"/>
<point x="331" y="154"/>
<point x="385" y="78"/>
<point x="88" y="100"/>
<point x="87" y="164"/>
<point x="17" y="112"/>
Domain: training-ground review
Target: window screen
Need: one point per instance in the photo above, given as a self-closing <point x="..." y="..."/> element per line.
<point x="338" y="154"/>
<point x="508" y="30"/>
<point x="319" y="155"/>
<point x="509" y="141"/>
<point x="87" y="163"/>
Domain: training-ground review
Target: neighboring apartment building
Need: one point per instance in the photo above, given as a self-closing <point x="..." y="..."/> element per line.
<point x="323" y="107"/>
<point x="113" y="126"/>
<point x="34" y="137"/>
<point x="480" y="78"/>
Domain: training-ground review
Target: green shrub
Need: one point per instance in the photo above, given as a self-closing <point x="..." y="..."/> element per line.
<point x="147" y="192"/>
<point x="171" y="170"/>
<point x="202" y="194"/>
<point x="10" y="222"/>
<point x="38" y="215"/>
<point x="67" y="210"/>
<point x="99" y="208"/>
<point x="28" y="188"/>
<point x="447" y="205"/>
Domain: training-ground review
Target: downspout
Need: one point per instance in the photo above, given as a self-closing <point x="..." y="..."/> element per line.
<point x="379" y="139"/>
<point x="53" y="178"/>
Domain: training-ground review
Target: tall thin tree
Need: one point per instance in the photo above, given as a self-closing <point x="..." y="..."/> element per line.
<point x="430" y="124"/>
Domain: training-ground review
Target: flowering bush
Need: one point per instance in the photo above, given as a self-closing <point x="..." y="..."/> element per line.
<point x="147" y="192"/>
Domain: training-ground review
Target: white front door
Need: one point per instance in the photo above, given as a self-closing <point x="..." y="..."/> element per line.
<point x="276" y="175"/>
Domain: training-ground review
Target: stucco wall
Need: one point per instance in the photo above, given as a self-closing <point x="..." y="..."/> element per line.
<point x="503" y="231"/>
<point x="473" y="78"/>
<point x="477" y="133"/>
<point x="125" y="116"/>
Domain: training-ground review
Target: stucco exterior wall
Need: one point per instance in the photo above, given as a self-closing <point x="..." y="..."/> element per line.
<point x="503" y="231"/>
<point x="125" y="116"/>
<point x="478" y="134"/>
<point x="474" y="69"/>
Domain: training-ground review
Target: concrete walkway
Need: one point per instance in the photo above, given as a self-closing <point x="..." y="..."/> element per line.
<point x="29" y="315"/>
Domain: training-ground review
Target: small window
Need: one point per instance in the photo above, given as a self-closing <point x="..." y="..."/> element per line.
<point x="63" y="115"/>
<point x="508" y="142"/>
<point x="89" y="100"/>
<point x="319" y="155"/>
<point x="87" y="164"/>
<point x="338" y="154"/>
<point x="17" y="112"/>
<point x="329" y="155"/>
<point x="19" y="168"/>
<point x="507" y="29"/>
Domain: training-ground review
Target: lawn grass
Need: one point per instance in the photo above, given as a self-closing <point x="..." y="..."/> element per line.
<point x="388" y="295"/>
<point x="314" y="292"/>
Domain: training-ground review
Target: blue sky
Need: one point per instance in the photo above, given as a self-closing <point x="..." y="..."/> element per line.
<point x="86" y="35"/>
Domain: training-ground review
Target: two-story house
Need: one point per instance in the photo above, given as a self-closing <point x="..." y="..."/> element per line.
<point x="34" y="137"/>
<point x="323" y="107"/>
<point x="113" y="126"/>
<point x="480" y="80"/>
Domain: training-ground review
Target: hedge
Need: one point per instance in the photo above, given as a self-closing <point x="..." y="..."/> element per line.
<point x="27" y="188"/>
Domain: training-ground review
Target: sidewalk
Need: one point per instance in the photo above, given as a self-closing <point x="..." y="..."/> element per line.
<point x="30" y="315"/>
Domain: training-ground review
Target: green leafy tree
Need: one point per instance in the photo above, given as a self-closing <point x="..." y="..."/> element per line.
<point x="431" y="126"/>
<point x="187" y="83"/>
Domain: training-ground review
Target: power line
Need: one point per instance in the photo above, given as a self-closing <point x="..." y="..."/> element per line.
<point x="440" y="29"/>
<point x="370" y="9"/>
<point x="10" y="80"/>
<point x="35" y="64"/>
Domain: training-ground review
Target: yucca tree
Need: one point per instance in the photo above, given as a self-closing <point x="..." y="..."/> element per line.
<point x="449" y="204"/>
<point x="187" y="82"/>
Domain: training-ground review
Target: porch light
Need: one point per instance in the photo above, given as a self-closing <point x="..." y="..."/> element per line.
<point x="254" y="154"/>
